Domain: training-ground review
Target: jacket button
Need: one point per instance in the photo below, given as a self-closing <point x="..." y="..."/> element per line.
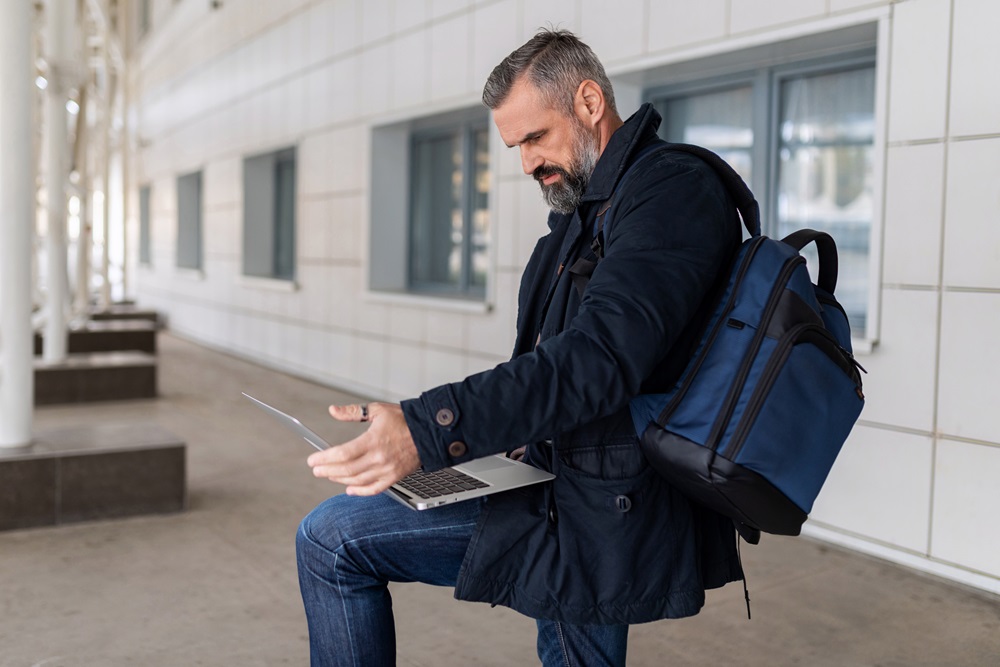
<point x="457" y="449"/>
<point x="623" y="503"/>
<point x="444" y="417"/>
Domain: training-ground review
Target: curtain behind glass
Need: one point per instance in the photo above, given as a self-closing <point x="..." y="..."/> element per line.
<point x="720" y="121"/>
<point x="825" y="171"/>
<point x="436" y="231"/>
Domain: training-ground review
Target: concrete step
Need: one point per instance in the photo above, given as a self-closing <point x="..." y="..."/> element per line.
<point x="92" y="472"/>
<point x="95" y="376"/>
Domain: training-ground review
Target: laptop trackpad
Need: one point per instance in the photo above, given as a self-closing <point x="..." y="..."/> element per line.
<point x="488" y="463"/>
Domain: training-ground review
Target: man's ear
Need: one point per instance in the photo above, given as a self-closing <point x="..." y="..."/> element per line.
<point x="588" y="103"/>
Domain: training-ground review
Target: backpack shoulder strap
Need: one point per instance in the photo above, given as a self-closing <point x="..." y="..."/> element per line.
<point x="745" y="202"/>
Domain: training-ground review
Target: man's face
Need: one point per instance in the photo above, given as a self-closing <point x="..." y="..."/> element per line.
<point x="557" y="149"/>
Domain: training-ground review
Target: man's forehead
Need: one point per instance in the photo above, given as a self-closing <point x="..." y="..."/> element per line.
<point x="523" y="113"/>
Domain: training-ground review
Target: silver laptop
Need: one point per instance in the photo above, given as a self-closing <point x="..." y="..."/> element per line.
<point x="423" y="490"/>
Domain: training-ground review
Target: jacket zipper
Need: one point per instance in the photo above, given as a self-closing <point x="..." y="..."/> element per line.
<point x="741" y="377"/>
<point x="830" y="348"/>
<point x="723" y="318"/>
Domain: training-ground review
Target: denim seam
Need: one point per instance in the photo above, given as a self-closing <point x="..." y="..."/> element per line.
<point x="562" y="643"/>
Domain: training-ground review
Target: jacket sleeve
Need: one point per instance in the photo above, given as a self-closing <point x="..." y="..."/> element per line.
<point x="671" y="232"/>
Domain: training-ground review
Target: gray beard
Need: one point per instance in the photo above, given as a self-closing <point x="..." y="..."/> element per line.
<point x="564" y="195"/>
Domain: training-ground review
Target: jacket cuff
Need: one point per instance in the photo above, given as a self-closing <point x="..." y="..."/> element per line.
<point x="435" y="423"/>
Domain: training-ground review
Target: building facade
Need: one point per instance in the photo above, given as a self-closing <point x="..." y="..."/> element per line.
<point x="320" y="190"/>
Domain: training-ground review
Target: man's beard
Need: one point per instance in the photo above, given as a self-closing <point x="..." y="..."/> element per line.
<point x="564" y="195"/>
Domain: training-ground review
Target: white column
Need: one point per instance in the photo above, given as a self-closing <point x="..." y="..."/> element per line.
<point x="58" y="49"/>
<point x="17" y="195"/>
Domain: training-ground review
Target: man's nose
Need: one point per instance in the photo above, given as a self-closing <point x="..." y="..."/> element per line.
<point x="530" y="161"/>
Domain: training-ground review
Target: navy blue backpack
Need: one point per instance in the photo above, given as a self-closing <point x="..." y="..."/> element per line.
<point x="753" y="425"/>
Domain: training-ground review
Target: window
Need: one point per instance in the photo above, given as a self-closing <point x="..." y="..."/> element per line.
<point x="803" y="137"/>
<point x="145" y="257"/>
<point x="430" y="207"/>
<point x="144" y="15"/>
<point x="449" y="210"/>
<point x="189" y="221"/>
<point x="269" y="215"/>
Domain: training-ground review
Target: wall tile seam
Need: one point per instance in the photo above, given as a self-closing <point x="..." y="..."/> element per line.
<point x="895" y="428"/>
<point x="269" y="316"/>
<point x="359" y="123"/>
<point x="932" y="141"/>
<point x="157" y="59"/>
<point x="910" y="287"/>
<point x="965" y="289"/>
<point x="330" y="195"/>
<point x="947" y="437"/>
<point x="344" y="385"/>
<point x="167" y="87"/>
<point x="942" y="257"/>
<point x="336" y="262"/>
<point x="868" y="538"/>
<point x="906" y="143"/>
<point x="933" y="435"/>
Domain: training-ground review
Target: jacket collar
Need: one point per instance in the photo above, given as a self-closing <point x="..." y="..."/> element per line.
<point x="639" y="129"/>
<point x="636" y="131"/>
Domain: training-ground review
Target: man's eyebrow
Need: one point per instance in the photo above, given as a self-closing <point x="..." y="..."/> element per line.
<point x="528" y="137"/>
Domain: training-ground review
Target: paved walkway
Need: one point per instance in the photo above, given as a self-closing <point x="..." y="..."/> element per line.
<point x="216" y="585"/>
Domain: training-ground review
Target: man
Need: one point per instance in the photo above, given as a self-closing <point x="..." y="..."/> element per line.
<point x="608" y="542"/>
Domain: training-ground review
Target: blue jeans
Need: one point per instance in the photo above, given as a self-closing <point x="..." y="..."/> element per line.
<point x="350" y="548"/>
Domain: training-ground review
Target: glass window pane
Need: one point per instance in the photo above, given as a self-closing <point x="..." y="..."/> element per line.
<point x="825" y="171"/>
<point x="721" y="121"/>
<point x="189" y="221"/>
<point x="284" y="218"/>
<point x="437" y="224"/>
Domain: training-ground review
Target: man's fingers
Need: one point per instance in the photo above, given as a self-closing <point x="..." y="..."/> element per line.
<point x="359" y="412"/>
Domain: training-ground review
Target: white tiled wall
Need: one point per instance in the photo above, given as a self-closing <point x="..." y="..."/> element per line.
<point x="749" y="15"/>
<point x="970" y="365"/>
<point x="917" y="475"/>
<point x="918" y="80"/>
<point x="913" y="214"/>
<point x="975" y="99"/>
<point x="880" y="487"/>
<point x="899" y="386"/>
<point x="966" y="497"/>
<point x="972" y="227"/>
<point x="673" y="24"/>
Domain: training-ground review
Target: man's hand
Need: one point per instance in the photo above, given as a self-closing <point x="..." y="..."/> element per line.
<point x="376" y="459"/>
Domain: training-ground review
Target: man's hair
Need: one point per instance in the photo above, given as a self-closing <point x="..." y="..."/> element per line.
<point x="556" y="62"/>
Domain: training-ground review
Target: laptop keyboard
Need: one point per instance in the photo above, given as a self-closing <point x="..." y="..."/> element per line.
<point x="439" y="483"/>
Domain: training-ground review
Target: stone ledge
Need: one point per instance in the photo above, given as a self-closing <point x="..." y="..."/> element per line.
<point x="124" y="312"/>
<point x="95" y="376"/>
<point x="90" y="473"/>
<point x="108" y="336"/>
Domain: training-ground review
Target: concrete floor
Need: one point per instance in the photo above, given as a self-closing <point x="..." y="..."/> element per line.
<point x="216" y="584"/>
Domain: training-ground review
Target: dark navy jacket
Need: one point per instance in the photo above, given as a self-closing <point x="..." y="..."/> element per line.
<point x="608" y="541"/>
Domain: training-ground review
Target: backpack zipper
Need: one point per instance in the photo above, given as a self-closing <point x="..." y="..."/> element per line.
<point x="688" y="379"/>
<point x="830" y="347"/>
<point x="732" y="398"/>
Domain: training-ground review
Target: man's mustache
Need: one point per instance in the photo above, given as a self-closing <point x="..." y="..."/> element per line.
<point x="544" y="172"/>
